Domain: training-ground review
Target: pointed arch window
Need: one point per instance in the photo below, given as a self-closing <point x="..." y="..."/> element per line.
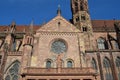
<point x="94" y="65"/>
<point x="116" y="45"/>
<point x="118" y="66"/>
<point x="69" y="64"/>
<point x="77" y="19"/>
<point x="81" y="6"/>
<point x="48" y="64"/>
<point x="107" y="69"/>
<point x="12" y="72"/>
<point x="83" y="18"/>
<point x="102" y="44"/>
<point x="29" y="40"/>
<point x="76" y="6"/>
<point x="84" y="29"/>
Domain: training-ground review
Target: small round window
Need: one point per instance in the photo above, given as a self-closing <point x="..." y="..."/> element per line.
<point x="58" y="46"/>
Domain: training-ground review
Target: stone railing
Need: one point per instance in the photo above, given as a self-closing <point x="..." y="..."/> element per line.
<point x="77" y="70"/>
<point x="104" y="50"/>
<point x="47" y="71"/>
<point x="18" y="53"/>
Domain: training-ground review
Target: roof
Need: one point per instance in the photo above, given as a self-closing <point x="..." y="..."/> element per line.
<point x="98" y="25"/>
<point x="103" y="25"/>
<point x="59" y="24"/>
<point x="19" y="28"/>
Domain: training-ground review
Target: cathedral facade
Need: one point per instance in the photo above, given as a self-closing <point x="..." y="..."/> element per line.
<point x="79" y="49"/>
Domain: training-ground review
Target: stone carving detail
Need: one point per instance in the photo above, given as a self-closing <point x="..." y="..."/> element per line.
<point x="59" y="61"/>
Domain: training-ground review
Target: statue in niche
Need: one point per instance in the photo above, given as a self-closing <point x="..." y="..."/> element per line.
<point x="59" y="60"/>
<point x="83" y="59"/>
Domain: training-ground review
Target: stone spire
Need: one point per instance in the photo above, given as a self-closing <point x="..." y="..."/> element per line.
<point x="31" y="26"/>
<point x="59" y="10"/>
<point x="13" y="27"/>
<point x="13" y="23"/>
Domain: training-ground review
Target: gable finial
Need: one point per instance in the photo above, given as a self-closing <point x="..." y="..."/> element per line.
<point x="13" y="26"/>
<point x="31" y="26"/>
<point x="59" y="10"/>
<point x="13" y="23"/>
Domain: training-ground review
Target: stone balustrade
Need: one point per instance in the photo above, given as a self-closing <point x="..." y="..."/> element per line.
<point x="18" y="53"/>
<point x="33" y="70"/>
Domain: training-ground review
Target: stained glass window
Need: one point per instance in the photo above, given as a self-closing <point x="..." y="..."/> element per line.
<point x="102" y="44"/>
<point x="48" y="64"/>
<point x="94" y="64"/>
<point x="116" y="45"/>
<point x="118" y="66"/>
<point x="69" y="64"/>
<point x="107" y="69"/>
<point x="7" y="77"/>
<point x="12" y="72"/>
<point x="15" y="77"/>
<point x="58" y="47"/>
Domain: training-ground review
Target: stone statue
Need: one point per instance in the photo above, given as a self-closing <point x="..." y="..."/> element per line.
<point x="6" y="47"/>
<point x="88" y="59"/>
<point x="59" y="61"/>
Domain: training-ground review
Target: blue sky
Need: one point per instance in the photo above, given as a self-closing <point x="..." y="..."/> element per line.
<point x="23" y="11"/>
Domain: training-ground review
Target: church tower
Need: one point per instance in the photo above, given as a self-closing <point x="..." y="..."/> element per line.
<point x="80" y="14"/>
<point x="81" y="19"/>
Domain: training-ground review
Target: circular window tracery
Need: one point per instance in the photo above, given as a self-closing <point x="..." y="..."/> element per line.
<point x="58" y="46"/>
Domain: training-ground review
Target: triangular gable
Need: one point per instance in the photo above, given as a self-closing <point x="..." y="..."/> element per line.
<point x="58" y="24"/>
